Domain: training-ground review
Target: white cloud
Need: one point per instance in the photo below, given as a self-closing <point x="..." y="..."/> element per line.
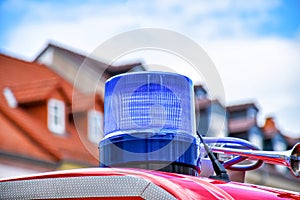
<point x="256" y="62"/>
<point x="266" y="69"/>
<point x="251" y="67"/>
<point x="87" y="25"/>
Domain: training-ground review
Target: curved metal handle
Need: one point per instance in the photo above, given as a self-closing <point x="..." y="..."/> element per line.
<point x="244" y="149"/>
<point x="232" y="164"/>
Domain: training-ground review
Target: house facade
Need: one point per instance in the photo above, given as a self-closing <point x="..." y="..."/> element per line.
<point x="242" y="123"/>
<point x="211" y="119"/>
<point x="273" y="138"/>
<point x="42" y="129"/>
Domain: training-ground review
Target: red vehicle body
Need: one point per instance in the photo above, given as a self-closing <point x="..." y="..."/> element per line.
<point x="121" y="183"/>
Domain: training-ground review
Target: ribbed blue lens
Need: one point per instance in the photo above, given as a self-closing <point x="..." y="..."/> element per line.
<point x="156" y="106"/>
<point x="155" y="102"/>
<point x="149" y="118"/>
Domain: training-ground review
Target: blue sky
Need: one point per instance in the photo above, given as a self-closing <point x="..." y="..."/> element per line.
<point x="255" y="45"/>
<point x="288" y="23"/>
<point x="281" y="18"/>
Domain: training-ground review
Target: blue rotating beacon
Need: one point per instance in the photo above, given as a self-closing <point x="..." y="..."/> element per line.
<point x="149" y="123"/>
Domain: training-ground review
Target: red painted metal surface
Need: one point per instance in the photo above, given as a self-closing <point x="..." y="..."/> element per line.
<point x="180" y="186"/>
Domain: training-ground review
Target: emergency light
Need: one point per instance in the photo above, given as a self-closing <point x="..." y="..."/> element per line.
<point x="149" y="122"/>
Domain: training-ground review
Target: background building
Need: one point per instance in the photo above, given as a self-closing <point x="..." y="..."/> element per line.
<point x="242" y="123"/>
<point x="87" y="74"/>
<point x="38" y="132"/>
<point x="211" y="119"/>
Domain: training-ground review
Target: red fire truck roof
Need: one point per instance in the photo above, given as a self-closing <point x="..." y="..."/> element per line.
<point x="120" y="183"/>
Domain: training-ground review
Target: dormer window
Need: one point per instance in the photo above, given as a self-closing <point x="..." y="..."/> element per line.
<point x="10" y="97"/>
<point x="95" y="121"/>
<point x="56" y="116"/>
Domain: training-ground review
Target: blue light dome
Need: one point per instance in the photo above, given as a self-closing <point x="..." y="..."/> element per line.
<point x="149" y="120"/>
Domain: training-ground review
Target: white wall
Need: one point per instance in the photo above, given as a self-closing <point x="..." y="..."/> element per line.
<point x="8" y="171"/>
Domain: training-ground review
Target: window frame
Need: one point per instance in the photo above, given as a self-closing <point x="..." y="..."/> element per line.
<point x="94" y="125"/>
<point x="56" y="118"/>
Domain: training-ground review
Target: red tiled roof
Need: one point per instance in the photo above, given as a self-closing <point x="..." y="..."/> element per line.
<point x="31" y="75"/>
<point x="85" y="102"/>
<point x="12" y="140"/>
<point x="269" y="129"/>
<point x="31" y="91"/>
<point x="10" y="71"/>
<point x="25" y="134"/>
<point x="31" y="128"/>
